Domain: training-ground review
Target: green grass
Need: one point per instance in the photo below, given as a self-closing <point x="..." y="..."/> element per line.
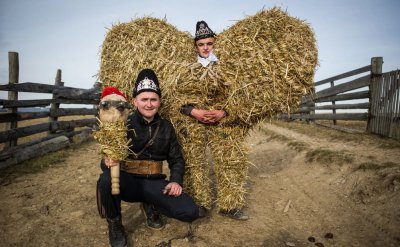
<point x="375" y="166"/>
<point x="274" y="136"/>
<point x="327" y="156"/>
<point x="322" y="155"/>
<point x="332" y="134"/>
<point x="299" y="146"/>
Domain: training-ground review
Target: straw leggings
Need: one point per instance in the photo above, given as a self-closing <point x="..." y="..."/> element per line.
<point x="227" y="162"/>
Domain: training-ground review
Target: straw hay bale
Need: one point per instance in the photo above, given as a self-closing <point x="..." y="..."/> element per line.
<point x="269" y="59"/>
<point x="144" y="43"/>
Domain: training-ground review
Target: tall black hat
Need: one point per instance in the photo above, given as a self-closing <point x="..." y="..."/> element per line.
<point x="146" y="81"/>
<point x="203" y="31"/>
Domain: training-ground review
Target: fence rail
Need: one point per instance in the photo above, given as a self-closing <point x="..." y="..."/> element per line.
<point x="56" y="132"/>
<point x="382" y="96"/>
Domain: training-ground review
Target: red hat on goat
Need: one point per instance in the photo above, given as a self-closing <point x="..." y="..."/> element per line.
<point x="111" y="90"/>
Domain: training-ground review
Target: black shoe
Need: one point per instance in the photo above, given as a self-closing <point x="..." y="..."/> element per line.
<point x="116" y="232"/>
<point x="153" y="217"/>
<point x="202" y="212"/>
<point x="236" y="214"/>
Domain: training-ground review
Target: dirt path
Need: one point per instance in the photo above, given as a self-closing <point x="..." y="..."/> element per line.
<point x="290" y="199"/>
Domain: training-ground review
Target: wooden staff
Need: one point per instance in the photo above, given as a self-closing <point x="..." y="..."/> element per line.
<point x="109" y="113"/>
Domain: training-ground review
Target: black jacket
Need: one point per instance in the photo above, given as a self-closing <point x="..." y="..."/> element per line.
<point x="165" y="146"/>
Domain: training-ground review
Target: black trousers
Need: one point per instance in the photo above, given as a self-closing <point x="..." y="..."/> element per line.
<point x="141" y="189"/>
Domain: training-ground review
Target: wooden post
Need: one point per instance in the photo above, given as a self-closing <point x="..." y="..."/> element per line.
<point x="376" y="66"/>
<point x="333" y="103"/>
<point x="373" y="111"/>
<point x="97" y="88"/>
<point x="13" y="75"/>
<point x="55" y="106"/>
<point x="312" y="112"/>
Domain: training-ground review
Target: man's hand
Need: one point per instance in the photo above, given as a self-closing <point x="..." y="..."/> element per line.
<point x="208" y="117"/>
<point x="201" y="115"/>
<point x="173" y="189"/>
<point x="216" y="115"/>
<point x="109" y="162"/>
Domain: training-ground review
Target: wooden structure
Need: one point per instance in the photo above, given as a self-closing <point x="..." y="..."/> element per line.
<point x="57" y="133"/>
<point x="384" y="117"/>
<point x="379" y="91"/>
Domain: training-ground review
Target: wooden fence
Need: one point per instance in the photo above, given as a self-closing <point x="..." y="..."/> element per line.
<point x="384" y="117"/>
<point x="58" y="134"/>
<point x="379" y="91"/>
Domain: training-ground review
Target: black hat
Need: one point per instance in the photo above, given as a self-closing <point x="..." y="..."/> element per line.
<point x="203" y="31"/>
<point x="146" y="81"/>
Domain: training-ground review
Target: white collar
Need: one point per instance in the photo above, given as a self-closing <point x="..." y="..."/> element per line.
<point x="206" y="61"/>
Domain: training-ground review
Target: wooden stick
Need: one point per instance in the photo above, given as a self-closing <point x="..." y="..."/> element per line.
<point x="287" y="206"/>
<point x="115" y="180"/>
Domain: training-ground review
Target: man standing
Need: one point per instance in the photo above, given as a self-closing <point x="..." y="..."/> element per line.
<point x="205" y="122"/>
<point x="141" y="178"/>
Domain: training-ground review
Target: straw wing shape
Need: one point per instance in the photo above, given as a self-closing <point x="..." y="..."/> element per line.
<point x="269" y="59"/>
<point x="144" y="43"/>
<point x="267" y="62"/>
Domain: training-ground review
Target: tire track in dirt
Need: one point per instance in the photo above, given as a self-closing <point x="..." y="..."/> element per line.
<point x="365" y="152"/>
<point x="366" y="229"/>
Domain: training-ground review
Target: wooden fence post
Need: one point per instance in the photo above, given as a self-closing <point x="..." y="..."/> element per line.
<point x="333" y="103"/>
<point x="97" y="87"/>
<point x="13" y="75"/>
<point x="55" y="106"/>
<point x="376" y="66"/>
<point x="376" y="73"/>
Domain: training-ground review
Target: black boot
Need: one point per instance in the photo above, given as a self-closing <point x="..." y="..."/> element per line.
<point x="237" y="214"/>
<point x="203" y="211"/>
<point x="116" y="232"/>
<point x="153" y="217"/>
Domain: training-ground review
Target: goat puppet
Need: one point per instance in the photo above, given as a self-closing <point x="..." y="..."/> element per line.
<point x="112" y="132"/>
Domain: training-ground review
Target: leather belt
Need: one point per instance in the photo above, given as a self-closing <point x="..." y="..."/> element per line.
<point x="146" y="167"/>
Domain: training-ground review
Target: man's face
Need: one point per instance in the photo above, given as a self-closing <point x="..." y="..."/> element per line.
<point x="147" y="104"/>
<point x="205" y="46"/>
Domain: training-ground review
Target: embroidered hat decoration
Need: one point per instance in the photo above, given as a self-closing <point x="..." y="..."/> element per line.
<point x="203" y="31"/>
<point x="146" y="81"/>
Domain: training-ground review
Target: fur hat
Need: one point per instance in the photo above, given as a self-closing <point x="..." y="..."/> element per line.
<point x="203" y="31"/>
<point x="146" y="81"/>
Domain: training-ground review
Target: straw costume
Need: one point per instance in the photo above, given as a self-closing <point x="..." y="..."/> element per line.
<point x="266" y="63"/>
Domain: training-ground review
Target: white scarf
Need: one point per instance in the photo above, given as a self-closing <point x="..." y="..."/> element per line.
<point x="206" y="61"/>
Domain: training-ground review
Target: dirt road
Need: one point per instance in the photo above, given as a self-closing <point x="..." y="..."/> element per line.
<point x="304" y="190"/>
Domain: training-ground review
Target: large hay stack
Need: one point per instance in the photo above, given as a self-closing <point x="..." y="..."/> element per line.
<point x="268" y="60"/>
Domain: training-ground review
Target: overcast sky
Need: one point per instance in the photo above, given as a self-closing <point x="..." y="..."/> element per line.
<point x="67" y="34"/>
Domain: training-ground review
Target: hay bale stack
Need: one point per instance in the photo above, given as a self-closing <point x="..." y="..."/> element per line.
<point x="144" y="43"/>
<point x="269" y="59"/>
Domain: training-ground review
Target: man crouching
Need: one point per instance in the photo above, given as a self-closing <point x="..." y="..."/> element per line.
<point x="141" y="179"/>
